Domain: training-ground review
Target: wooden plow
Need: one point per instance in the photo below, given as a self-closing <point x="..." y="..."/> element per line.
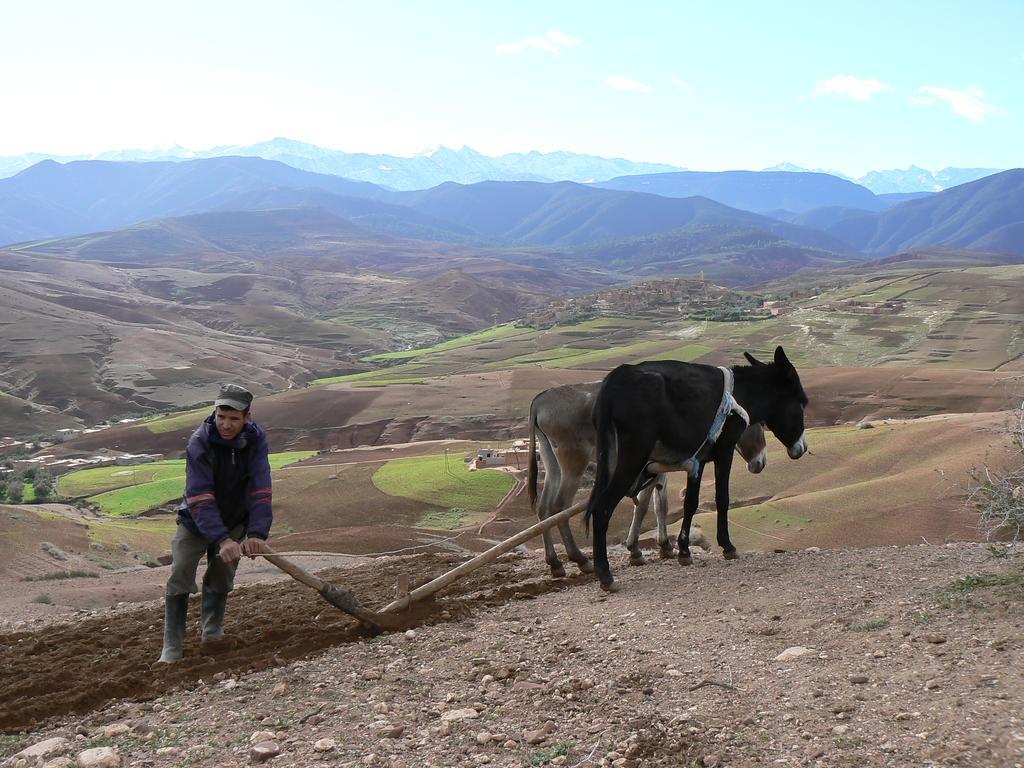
<point x="391" y="616"/>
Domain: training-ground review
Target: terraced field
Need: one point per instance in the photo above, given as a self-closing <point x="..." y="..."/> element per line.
<point x="956" y="318"/>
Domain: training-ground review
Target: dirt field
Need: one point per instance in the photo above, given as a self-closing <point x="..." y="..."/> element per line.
<point x="896" y="656"/>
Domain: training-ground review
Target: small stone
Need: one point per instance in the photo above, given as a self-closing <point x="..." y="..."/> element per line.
<point x="858" y="679"/>
<point x="59" y="762"/>
<point x="934" y="639"/>
<point x="504" y="673"/>
<point x="839" y="730"/>
<point x="264" y="750"/>
<point x="673" y="673"/>
<point x="483" y="738"/>
<point x="931" y="685"/>
<point x="259" y="736"/>
<point x="99" y="757"/>
<point x="168" y="751"/>
<point x="460" y="714"/>
<point x="793" y="652"/>
<point x="279" y="689"/>
<point x="510" y="744"/>
<point x="711" y="761"/>
<point x="324" y="745"/>
<point x="486" y="680"/>
<point x="116" y="729"/>
<point x="410" y="634"/>
<point x="393" y="732"/>
<point x="44" y="749"/>
<point x="535" y="737"/>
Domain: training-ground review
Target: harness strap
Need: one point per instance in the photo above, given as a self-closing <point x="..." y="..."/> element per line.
<point x="728" y="407"/>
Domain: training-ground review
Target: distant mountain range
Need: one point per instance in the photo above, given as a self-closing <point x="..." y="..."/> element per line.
<point x="908" y="180"/>
<point x="52" y="200"/>
<point x="760" y="191"/>
<point x="467" y="166"/>
<point x="984" y="215"/>
<point x="422" y="171"/>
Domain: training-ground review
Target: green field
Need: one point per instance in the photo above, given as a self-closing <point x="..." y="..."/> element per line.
<point x="448" y="483"/>
<point x="90" y="482"/>
<point x="177" y="421"/>
<point x="488" y="334"/>
<point x="127" y="491"/>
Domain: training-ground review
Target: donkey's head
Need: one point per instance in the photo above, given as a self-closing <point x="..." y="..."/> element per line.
<point x="753" y="448"/>
<point x="784" y="414"/>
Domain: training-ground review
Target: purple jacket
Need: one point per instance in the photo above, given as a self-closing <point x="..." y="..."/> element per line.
<point x="227" y="482"/>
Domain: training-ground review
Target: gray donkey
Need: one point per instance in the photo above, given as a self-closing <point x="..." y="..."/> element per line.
<point x="561" y="425"/>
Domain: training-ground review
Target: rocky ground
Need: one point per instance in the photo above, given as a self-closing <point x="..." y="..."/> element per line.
<point x="894" y="656"/>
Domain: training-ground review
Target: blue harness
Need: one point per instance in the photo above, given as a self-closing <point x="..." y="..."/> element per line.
<point x="728" y="407"/>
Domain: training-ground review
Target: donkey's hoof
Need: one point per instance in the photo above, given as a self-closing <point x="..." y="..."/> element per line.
<point x="685" y="559"/>
<point x="585" y="565"/>
<point x="557" y="571"/>
<point x="610" y="586"/>
<point x="666" y="552"/>
<point x="730" y="554"/>
<point x="637" y="558"/>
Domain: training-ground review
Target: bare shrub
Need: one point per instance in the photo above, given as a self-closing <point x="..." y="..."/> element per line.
<point x="998" y="496"/>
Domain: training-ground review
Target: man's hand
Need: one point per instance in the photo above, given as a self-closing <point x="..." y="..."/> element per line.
<point x="230" y="552"/>
<point x="253" y="547"/>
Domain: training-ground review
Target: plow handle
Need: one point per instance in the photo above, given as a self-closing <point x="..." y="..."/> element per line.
<point x="484" y="558"/>
<point x="296" y="572"/>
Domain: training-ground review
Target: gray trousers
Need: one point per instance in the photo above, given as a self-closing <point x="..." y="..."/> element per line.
<point x="187" y="549"/>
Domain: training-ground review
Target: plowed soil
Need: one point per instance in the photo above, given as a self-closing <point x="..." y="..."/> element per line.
<point x="77" y="667"/>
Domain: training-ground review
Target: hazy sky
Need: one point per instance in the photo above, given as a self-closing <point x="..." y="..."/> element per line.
<point x="705" y="85"/>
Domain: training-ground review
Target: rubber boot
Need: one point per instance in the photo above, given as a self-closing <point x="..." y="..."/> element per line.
<point x="175" y="612"/>
<point x="213" y="614"/>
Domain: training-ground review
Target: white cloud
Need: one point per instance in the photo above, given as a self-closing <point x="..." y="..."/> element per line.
<point x="681" y="84"/>
<point x="856" y="88"/>
<point x="625" y="84"/>
<point x="553" y="42"/>
<point x="970" y="103"/>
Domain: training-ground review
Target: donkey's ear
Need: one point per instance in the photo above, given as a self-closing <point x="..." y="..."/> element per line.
<point x="751" y="359"/>
<point x="780" y="358"/>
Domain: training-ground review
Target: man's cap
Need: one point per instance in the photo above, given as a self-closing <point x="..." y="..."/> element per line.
<point x="234" y="396"/>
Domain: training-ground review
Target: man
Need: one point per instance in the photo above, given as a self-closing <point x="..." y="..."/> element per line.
<point x="226" y="514"/>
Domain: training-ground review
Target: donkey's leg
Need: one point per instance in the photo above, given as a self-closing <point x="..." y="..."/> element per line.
<point x="661" y="514"/>
<point x="631" y="460"/>
<point x="573" y="468"/>
<point x="640" y="506"/>
<point x="690" y="502"/>
<point x="547" y="503"/>
<point x="723" y="466"/>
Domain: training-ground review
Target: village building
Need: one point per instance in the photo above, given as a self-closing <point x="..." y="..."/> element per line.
<point x="515" y="457"/>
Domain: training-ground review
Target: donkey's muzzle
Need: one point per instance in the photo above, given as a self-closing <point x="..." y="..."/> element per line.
<point x="799" y="448"/>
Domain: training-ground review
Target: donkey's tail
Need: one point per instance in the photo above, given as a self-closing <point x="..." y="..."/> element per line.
<point x="531" y="475"/>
